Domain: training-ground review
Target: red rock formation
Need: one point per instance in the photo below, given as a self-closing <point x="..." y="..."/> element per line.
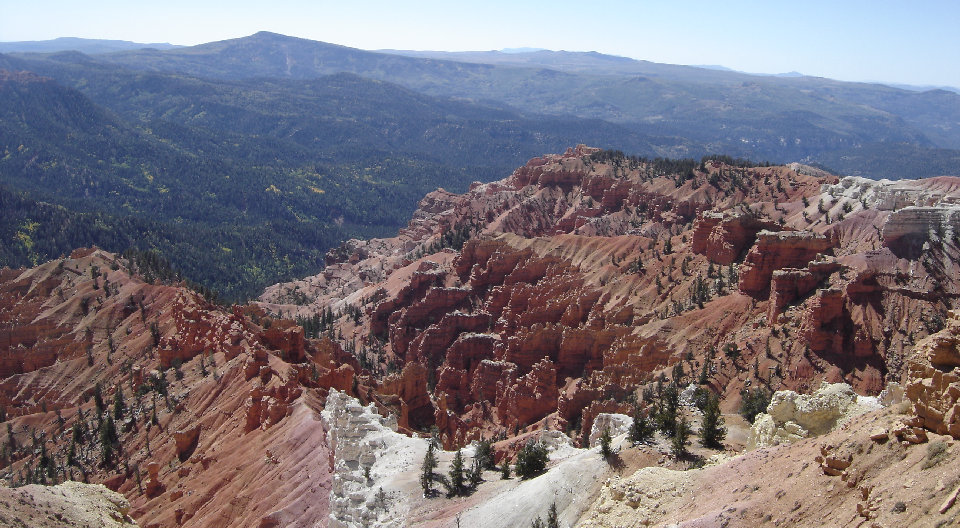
<point x="287" y="337"/>
<point x="723" y="236"/>
<point x="186" y="441"/>
<point x="778" y="250"/>
<point x="413" y="405"/>
<point x="533" y="397"/>
<point x="790" y="284"/>
<point x="112" y="337"/>
<point x="934" y="380"/>
<point x="568" y="264"/>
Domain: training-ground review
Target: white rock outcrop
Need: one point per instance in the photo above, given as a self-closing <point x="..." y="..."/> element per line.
<point x="364" y="443"/>
<point x="617" y="424"/>
<point x="791" y="416"/>
<point x="889" y="195"/>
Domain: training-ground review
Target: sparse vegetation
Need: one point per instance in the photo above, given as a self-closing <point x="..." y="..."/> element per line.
<point x="753" y="402"/>
<point x="531" y="460"/>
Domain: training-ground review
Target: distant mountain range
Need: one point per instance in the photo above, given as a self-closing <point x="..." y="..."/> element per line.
<point x="762" y="117"/>
<point x="244" y="160"/>
<point x="88" y="46"/>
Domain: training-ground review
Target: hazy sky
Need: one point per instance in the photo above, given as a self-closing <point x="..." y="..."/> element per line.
<point x="915" y="42"/>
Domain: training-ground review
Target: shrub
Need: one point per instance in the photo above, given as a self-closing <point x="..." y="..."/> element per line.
<point x="754" y="402"/>
<point x="936" y="453"/>
<point x="531" y="460"/>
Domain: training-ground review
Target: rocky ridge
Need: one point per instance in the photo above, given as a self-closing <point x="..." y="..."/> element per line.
<point x="215" y="404"/>
<point x="559" y="292"/>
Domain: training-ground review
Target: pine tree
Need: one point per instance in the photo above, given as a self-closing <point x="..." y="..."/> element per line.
<point x="118" y="406"/>
<point x="476" y="473"/>
<point x="456" y="474"/>
<point x="641" y="430"/>
<point x="531" y="460"/>
<point x="704" y="372"/>
<point x="78" y="431"/>
<point x="484" y="454"/>
<point x="426" y="470"/>
<point x="553" y="519"/>
<point x="678" y="444"/>
<point x="108" y="437"/>
<point x="605" y="440"/>
<point x="667" y="409"/>
<point x="98" y="398"/>
<point x="71" y="452"/>
<point x="712" y="430"/>
<point x="505" y="469"/>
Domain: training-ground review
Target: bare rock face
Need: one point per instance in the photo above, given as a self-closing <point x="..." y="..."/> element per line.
<point x="906" y="231"/>
<point x="287" y="337"/>
<point x="197" y="330"/>
<point x="775" y="251"/>
<point x="409" y="387"/>
<point x="186" y="441"/>
<point x="723" y="236"/>
<point x="615" y="424"/>
<point x="790" y="284"/>
<point x="367" y="453"/>
<point x="934" y="380"/>
<point x="533" y="397"/>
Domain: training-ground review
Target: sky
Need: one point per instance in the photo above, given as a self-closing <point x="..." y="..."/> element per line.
<point x="909" y="42"/>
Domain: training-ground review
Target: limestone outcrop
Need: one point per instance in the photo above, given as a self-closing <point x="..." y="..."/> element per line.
<point x="613" y="423"/>
<point x="791" y="416"/>
<point x="367" y="455"/>
<point x="909" y="230"/>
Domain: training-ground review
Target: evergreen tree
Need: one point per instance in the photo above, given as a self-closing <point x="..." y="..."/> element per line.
<point x="71" y="452"/>
<point x="78" y="431"/>
<point x="108" y="431"/>
<point x="476" y="473"/>
<point x="484" y="454"/>
<point x="753" y="402"/>
<point x="667" y="409"/>
<point x="678" y="444"/>
<point x="118" y="406"/>
<point x="531" y="460"/>
<point x="605" y="440"/>
<point x="456" y="474"/>
<point x="641" y="430"/>
<point x="108" y="437"/>
<point x="553" y="519"/>
<point x="505" y="469"/>
<point x="98" y="398"/>
<point x="704" y="372"/>
<point x="426" y="470"/>
<point x="712" y="430"/>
